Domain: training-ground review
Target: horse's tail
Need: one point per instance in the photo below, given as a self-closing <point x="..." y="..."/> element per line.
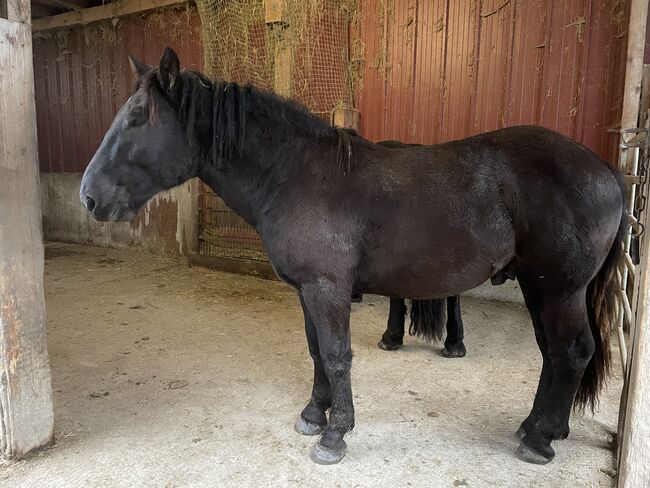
<point x="428" y="318"/>
<point x="601" y="294"/>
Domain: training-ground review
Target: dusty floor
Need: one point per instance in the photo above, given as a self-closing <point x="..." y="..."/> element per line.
<point x="171" y="376"/>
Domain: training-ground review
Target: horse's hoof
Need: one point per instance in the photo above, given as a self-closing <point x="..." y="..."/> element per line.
<point x="530" y="455"/>
<point x="387" y="346"/>
<point x="457" y="351"/>
<point x="324" y="455"/>
<point x="521" y="432"/>
<point x="307" y="428"/>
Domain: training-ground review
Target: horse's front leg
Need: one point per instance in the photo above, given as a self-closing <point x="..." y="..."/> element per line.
<point x="313" y="420"/>
<point x="328" y="306"/>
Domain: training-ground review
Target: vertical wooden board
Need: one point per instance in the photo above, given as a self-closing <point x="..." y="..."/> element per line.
<point x="54" y="120"/>
<point x="461" y="58"/>
<point x="274" y="10"/>
<point x="491" y="76"/>
<point x="26" y="418"/>
<point x="401" y="41"/>
<point x="18" y="11"/>
<point x="282" y="72"/>
<point x="80" y="113"/>
<point x="41" y="108"/>
<point x="370" y="95"/>
<point x="527" y="62"/>
<point x="562" y="66"/>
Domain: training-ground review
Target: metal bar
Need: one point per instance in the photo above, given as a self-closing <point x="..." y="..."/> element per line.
<point x="622" y="348"/>
<point x="626" y="306"/>
<point x="634" y="179"/>
<point x="631" y="268"/>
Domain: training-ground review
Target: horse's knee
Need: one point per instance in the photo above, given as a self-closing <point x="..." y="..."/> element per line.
<point x="338" y="366"/>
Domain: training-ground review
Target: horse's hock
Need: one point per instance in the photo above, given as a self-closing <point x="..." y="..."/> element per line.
<point x="302" y="50"/>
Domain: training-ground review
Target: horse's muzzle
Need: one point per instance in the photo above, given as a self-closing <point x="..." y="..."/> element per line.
<point x="106" y="213"/>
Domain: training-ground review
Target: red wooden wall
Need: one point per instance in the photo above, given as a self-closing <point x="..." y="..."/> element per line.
<point x="434" y="70"/>
<point x="82" y="77"/>
<point x="437" y="70"/>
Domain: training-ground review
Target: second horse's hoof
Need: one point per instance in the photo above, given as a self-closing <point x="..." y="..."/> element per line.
<point x="530" y="455"/>
<point x="388" y="347"/>
<point x="457" y="351"/>
<point x="308" y="428"/>
<point x="325" y="455"/>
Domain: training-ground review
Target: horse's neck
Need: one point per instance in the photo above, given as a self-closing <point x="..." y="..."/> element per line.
<point x="249" y="181"/>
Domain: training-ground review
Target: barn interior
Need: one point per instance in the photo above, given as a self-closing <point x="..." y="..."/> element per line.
<point x="165" y="352"/>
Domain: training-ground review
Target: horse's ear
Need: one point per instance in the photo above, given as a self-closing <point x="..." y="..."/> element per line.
<point x="137" y="67"/>
<point x="169" y="70"/>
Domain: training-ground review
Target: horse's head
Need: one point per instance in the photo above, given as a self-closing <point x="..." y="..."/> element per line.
<point x="147" y="148"/>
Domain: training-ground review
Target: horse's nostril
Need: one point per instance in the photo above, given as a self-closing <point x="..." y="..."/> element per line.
<point x="90" y="203"/>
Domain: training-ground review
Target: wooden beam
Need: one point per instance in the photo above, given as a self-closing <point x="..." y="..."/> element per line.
<point x="274" y="11"/>
<point x="25" y="390"/>
<point x="74" y="5"/>
<point x="347" y="118"/>
<point x="40" y="10"/>
<point x="94" y="14"/>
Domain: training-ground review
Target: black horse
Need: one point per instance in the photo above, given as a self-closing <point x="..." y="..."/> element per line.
<point x="338" y="214"/>
<point x="427" y="320"/>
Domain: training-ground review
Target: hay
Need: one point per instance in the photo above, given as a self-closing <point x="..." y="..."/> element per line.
<point x="307" y="56"/>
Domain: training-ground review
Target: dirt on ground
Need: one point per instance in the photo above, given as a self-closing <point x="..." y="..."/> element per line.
<point x="171" y="376"/>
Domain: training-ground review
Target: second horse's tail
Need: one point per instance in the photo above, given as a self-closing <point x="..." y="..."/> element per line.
<point x="428" y="318"/>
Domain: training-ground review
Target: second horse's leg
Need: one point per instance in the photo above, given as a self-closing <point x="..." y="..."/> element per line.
<point x="454" y="346"/>
<point x="394" y="335"/>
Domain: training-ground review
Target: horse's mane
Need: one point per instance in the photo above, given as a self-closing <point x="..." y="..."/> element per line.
<point x="219" y="110"/>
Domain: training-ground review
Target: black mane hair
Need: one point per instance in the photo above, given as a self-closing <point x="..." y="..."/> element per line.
<point x="215" y="113"/>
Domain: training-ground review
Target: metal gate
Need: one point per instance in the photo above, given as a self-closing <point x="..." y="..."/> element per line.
<point x="634" y="145"/>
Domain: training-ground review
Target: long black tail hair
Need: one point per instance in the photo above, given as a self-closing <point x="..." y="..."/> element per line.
<point x="601" y="296"/>
<point x="428" y="318"/>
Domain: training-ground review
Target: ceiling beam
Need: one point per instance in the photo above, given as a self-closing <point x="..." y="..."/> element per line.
<point x="65" y="4"/>
<point x="94" y="14"/>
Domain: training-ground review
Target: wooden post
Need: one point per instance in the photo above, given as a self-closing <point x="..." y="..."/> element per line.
<point x="634" y="442"/>
<point x="634" y="426"/>
<point x="347" y="118"/>
<point x="25" y="389"/>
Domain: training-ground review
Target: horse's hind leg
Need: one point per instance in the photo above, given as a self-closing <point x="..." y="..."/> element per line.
<point x="569" y="348"/>
<point x="313" y="420"/>
<point x="454" y="346"/>
<point x="328" y="306"/>
<point x="545" y="378"/>
<point x="394" y="335"/>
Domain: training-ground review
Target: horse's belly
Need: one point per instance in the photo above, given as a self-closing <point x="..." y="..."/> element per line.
<point x="432" y="267"/>
<point x="435" y="284"/>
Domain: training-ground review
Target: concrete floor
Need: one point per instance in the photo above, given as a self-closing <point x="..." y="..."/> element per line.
<point x="169" y="376"/>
